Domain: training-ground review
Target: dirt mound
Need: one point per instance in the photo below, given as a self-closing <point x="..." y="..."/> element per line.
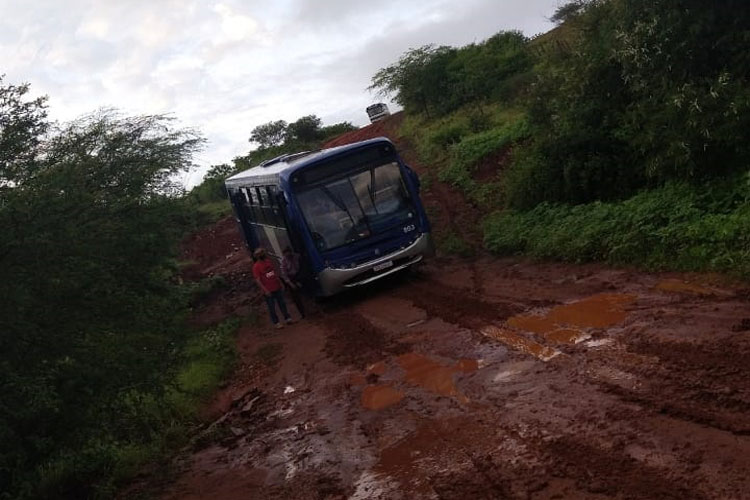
<point x="387" y="127"/>
<point x="219" y="253"/>
<point x="211" y="247"/>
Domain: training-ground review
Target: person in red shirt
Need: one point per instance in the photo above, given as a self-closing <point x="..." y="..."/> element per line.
<point x="268" y="280"/>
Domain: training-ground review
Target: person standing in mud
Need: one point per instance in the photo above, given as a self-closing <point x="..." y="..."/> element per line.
<point x="290" y="275"/>
<point x="269" y="282"/>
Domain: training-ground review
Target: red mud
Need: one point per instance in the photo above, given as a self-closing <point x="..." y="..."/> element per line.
<point x="471" y="380"/>
<point x="431" y="375"/>
<point x="566" y="323"/>
<point x="386" y="127"/>
<point x="379" y="397"/>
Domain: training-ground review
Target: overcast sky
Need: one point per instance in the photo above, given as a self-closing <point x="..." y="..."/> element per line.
<point x="226" y="66"/>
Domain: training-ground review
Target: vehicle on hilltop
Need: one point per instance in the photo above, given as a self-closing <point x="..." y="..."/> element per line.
<point x="377" y="112"/>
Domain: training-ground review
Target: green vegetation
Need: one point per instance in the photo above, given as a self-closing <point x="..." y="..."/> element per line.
<point x="465" y="155"/>
<point x="438" y="80"/>
<point x="450" y="243"/>
<point x="621" y="124"/>
<point x="99" y="370"/>
<point x="678" y="227"/>
<point x="273" y="139"/>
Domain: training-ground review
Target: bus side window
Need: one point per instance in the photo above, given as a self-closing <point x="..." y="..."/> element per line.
<point x="255" y="204"/>
<point x="276" y="210"/>
<point x="244" y="204"/>
<point x="264" y="205"/>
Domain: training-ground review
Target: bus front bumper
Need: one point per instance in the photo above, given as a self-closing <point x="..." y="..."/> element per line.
<point x="332" y="281"/>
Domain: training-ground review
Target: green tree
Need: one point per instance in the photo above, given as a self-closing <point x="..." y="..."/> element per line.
<point x="212" y="188"/>
<point x="89" y="312"/>
<point x="406" y="80"/>
<point x="269" y="134"/>
<point x="438" y="80"/>
<point x="650" y="91"/>
<point x="568" y="11"/>
<point x="305" y="130"/>
<point x="331" y="131"/>
<point x="23" y="122"/>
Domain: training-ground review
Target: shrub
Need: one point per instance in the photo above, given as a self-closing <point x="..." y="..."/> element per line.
<point x="677" y="227"/>
<point x="465" y="156"/>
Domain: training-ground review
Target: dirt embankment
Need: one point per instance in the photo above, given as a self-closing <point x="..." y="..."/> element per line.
<point x="482" y="378"/>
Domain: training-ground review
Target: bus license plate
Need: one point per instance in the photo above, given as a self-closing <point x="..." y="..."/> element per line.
<point x="384" y="265"/>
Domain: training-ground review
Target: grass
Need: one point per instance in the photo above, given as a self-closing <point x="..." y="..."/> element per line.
<point x="458" y="142"/>
<point x="450" y="243"/>
<point x="676" y="227"/>
<point x="161" y="418"/>
<point x="465" y="156"/>
<point x="212" y="211"/>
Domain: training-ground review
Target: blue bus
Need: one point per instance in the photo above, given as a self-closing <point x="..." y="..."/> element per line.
<point x="352" y="212"/>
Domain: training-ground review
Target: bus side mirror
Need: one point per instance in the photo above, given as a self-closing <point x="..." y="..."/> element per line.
<point x="413" y="176"/>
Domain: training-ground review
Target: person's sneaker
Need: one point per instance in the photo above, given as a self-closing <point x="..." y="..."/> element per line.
<point x="279" y="326"/>
<point x="289" y="321"/>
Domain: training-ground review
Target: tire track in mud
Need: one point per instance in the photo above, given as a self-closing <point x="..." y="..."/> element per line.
<point x="456" y="306"/>
<point x="353" y="341"/>
<point x="612" y="472"/>
<point x="466" y="309"/>
<point x="697" y="382"/>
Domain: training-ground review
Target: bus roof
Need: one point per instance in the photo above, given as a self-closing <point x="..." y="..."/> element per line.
<point x="269" y="172"/>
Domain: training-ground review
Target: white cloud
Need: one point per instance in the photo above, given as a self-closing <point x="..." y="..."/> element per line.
<point x="225" y="66"/>
<point x="234" y="26"/>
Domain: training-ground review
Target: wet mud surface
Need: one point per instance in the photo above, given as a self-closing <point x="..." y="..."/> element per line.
<point x="420" y="387"/>
<point x="477" y="378"/>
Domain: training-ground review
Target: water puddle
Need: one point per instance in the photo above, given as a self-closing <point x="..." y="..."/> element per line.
<point x="433" y="376"/>
<point x="420" y="371"/>
<point x="520" y="343"/>
<point x="566" y="323"/>
<point x="379" y="397"/>
<point x="679" y="286"/>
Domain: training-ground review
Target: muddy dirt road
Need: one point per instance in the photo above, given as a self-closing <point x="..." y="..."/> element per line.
<point x="489" y="379"/>
<point x="478" y="379"/>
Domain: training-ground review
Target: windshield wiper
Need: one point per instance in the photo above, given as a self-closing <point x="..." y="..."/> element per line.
<point x="338" y="202"/>
<point x="371" y="189"/>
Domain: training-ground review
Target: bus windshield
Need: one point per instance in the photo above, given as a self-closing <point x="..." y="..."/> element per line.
<point x="356" y="206"/>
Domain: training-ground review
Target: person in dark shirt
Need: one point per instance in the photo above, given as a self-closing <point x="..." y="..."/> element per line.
<point x="269" y="282"/>
<point x="290" y="275"/>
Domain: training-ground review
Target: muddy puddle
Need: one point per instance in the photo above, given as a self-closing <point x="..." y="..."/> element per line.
<point x="415" y="370"/>
<point x="434" y="376"/>
<point x="380" y="397"/>
<point x="520" y="343"/>
<point x="567" y="324"/>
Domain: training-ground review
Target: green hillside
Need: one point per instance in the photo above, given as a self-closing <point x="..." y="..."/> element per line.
<point x="617" y="136"/>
